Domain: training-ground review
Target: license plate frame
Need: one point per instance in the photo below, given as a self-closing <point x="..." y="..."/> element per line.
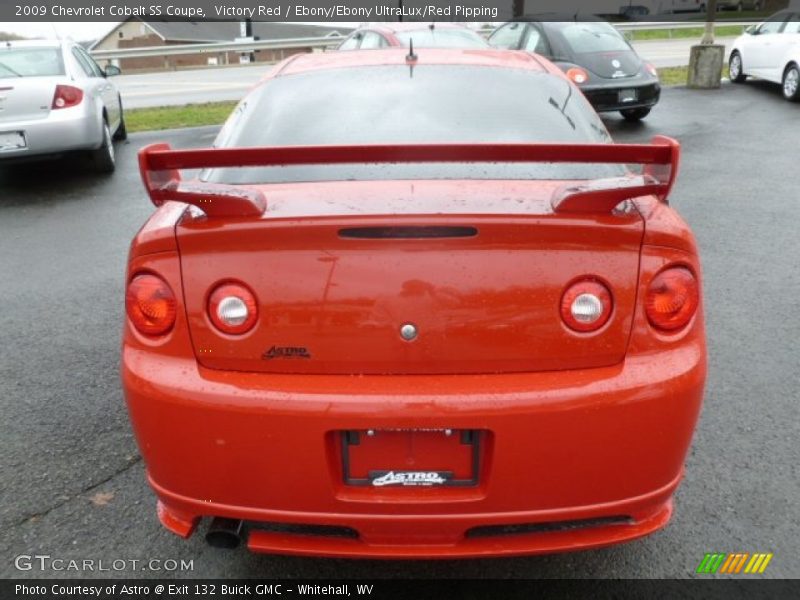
<point x="383" y="477"/>
<point x="628" y="95"/>
<point x="12" y="140"/>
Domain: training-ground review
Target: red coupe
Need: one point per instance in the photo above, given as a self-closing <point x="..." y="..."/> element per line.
<point x="414" y="305"/>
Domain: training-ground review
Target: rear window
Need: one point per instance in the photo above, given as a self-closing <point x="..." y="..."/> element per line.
<point x="585" y="38"/>
<point x="441" y="38"/>
<point x="419" y="104"/>
<point x="30" y="62"/>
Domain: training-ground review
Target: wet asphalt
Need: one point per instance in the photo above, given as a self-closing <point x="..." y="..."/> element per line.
<point x="72" y="482"/>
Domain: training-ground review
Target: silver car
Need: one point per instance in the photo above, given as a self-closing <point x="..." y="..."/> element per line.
<point x="54" y="99"/>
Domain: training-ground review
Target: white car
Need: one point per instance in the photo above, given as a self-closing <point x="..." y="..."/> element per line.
<point x="55" y="99"/>
<point x="770" y="51"/>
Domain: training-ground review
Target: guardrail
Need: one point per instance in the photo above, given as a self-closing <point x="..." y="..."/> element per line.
<point x="330" y="41"/>
<point x="218" y="47"/>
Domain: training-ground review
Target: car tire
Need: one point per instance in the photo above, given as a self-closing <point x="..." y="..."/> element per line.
<point x="104" y="158"/>
<point x="121" y="134"/>
<point x="791" y="83"/>
<point x="736" y="68"/>
<point x="634" y="115"/>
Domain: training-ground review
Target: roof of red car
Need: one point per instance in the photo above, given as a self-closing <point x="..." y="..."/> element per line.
<point x="301" y="63"/>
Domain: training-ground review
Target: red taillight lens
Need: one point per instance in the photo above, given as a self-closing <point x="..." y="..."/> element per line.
<point x="578" y="75"/>
<point x="672" y="299"/>
<point x="67" y="96"/>
<point x="651" y="69"/>
<point x="150" y="304"/>
<point x="232" y="308"/>
<point x="586" y="305"/>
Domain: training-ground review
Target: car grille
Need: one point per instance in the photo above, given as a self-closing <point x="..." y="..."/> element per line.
<point x="500" y="530"/>
<point x="333" y="531"/>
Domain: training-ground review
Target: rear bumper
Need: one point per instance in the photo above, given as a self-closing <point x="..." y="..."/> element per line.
<point x="574" y="459"/>
<point x="61" y="131"/>
<point x="605" y="98"/>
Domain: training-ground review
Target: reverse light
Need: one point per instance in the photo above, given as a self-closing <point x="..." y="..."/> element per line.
<point x="232" y="308"/>
<point x="672" y="299"/>
<point x="578" y="75"/>
<point x="67" y="96"/>
<point x="651" y="69"/>
<point x="586" y="305"/>
<point x="150" y="305"/>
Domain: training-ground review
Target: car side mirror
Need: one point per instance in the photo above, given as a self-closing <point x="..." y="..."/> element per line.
<point x="112" y="71"/>
<point x="752" y="30"/>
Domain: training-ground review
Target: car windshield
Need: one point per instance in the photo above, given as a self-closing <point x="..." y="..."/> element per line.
<point x="413" y="104"/>
<point x="584" y="38"/>
<point x="441" y="38"/>
<point x="30" y="62"/>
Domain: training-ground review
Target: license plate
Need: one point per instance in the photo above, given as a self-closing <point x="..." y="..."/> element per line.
<point x="12" y="140"/>
<point x="628" y="96"/>
<point x="392" y="458"/>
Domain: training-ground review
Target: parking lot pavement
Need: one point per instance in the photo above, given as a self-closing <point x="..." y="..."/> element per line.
<point x="71" y="480"/>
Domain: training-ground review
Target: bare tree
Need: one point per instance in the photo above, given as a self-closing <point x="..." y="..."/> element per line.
<point x="711" y="14"/>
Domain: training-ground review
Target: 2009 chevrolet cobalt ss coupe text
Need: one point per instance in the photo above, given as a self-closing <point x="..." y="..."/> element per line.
<point x="414" y="306"/>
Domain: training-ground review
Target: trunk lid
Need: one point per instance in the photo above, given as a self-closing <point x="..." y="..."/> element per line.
<point x="26" y="98"/>
<point x="478" y="267"/>
<point x="612" y="64"/>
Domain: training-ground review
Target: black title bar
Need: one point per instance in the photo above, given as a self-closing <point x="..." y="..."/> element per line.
<point x="109" y="589"/>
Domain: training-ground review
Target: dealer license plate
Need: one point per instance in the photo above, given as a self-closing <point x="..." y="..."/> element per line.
<point x="388" y="458"/>
<point x="628" y="96"/>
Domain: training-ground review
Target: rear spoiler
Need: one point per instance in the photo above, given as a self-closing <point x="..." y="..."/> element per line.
<point x="160" y="169"/>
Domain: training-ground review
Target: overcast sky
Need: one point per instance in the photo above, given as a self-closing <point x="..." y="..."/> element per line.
<point x="77" y="30"/>
<point x="80" y="31"/>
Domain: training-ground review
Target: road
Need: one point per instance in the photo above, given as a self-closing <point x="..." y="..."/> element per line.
<point x="230" y="83"/>
<point x="72" y="483"/>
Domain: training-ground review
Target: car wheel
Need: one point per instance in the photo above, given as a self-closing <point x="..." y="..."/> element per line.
<point x="735" y="68"/>
<point x="121" y="134"/>
<point x="791" y="83"/>
<point x="103" y="158"/>
<point x="634" y="114"/>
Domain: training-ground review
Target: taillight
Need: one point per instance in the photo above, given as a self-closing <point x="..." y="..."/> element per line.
<point x="232" y="308"/>
<point x="67" y="96"/>
<point x="586" y="305"/>
<point x="578" y="75"/>
<point x="672" y="299"/>
<point x="651" y="69"/>
<point x="150" y="304"/>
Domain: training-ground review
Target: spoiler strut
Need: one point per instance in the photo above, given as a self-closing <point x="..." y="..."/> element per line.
<point x="160" y="169"/>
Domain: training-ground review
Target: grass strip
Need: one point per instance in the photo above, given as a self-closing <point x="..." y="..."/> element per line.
<point x="176" y="117"/>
